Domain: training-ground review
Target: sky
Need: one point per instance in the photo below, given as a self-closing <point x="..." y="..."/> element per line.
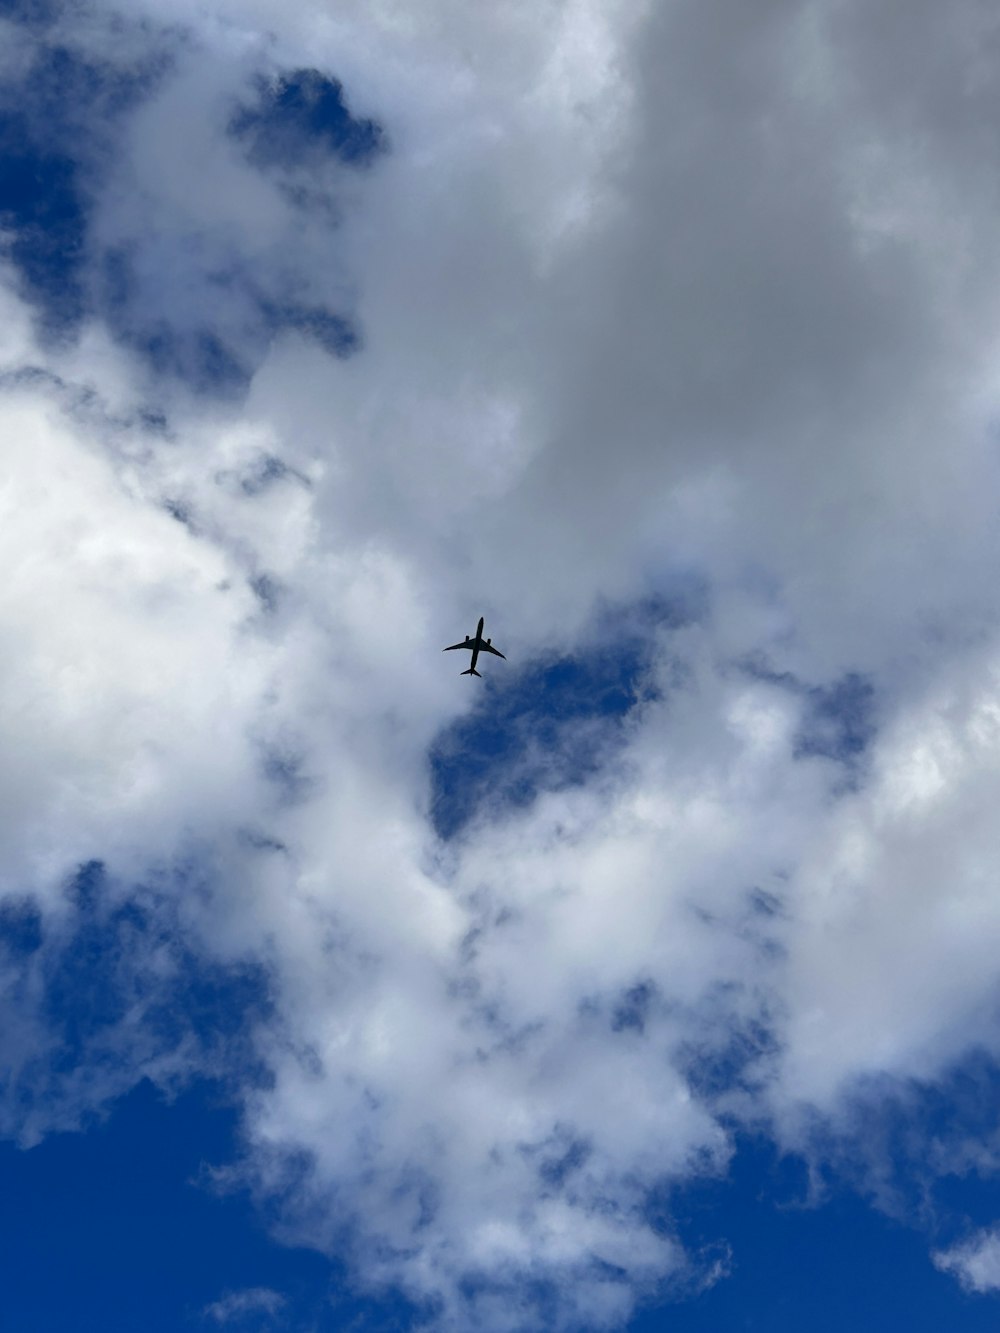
<point x="649" y="982"/>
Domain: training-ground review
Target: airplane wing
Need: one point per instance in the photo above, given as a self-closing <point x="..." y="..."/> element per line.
<point x="488" y="648"/>
<point x="457" y="645"/>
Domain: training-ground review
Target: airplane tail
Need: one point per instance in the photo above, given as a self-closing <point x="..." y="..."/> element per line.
<point x="472" y="672"/>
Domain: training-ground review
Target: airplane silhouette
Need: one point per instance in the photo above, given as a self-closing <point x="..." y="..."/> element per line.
<point x="478" y="645"/>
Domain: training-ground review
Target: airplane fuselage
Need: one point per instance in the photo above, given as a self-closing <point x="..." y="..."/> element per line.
<point x="476" y="646"/>
<point x="478" y="642"/>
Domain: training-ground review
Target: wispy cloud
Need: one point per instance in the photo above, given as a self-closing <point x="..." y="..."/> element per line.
<point x="236" y="1306"/>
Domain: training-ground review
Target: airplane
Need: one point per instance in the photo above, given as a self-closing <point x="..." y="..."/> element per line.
<point x="478" y="645"/>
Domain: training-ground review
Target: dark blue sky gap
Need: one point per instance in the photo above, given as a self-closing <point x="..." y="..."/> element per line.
<point x="30" y="12"/>
<point x="124" y="1214"/>
<point x="299" y="114"/>
<point x="92" y="969"/>
<point x="907" y="1127"/>
<point x="524" y="737"/>
<point x="546" y="724"/>
<point x="119" y="1229"/>
<point x="48" y="128"/>
<point x="40" y="203"/>
<point x="20" y="928"/>
<point x="840" y="1265"/>
<point x="65" y="110"/>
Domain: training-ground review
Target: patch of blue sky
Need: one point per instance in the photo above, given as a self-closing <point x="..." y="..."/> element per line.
<point x="930" y="1152"/>
<point x="551" y="724"/>
<point x="302" y="112"/>
<point x="20" y="928"/>
<point x="527" y="737"/>
<point x="848" y="1243"/>
<point x="961" y="1123"/>
<point x="42" y="209"/>
<point x="29" y="11"/>
<point x="49" y="127"/>
<point x="791" y="1264"/>
<point x="126" y="1214"/>
<point x="121" y="1229"/>
<point x="95" y="969"/>
<point x="50" y="135"/>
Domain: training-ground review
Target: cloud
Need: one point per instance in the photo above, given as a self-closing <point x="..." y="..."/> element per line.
<point x="676" y="320"/>
<point x="235" y="1306"/>
<point x="975" y="1263"/>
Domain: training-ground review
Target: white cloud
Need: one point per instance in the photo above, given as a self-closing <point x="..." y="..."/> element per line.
<point x="100" y="717"/>
<point x="976" y="1262"/>
<point x="650" y="299"/>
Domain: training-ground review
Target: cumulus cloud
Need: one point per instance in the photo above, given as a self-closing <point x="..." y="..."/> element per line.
<point x="686" y="307"/>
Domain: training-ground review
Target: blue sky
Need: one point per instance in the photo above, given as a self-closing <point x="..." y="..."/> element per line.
<point x="648" y="982"/>
<point x="125" y="1213"/>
